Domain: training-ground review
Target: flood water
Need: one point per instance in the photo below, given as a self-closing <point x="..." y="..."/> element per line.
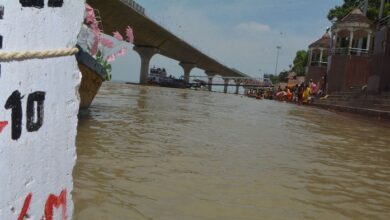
<point x="162" y="154"/>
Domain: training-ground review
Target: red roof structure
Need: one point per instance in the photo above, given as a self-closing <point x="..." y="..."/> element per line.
<point x="323" y="42"/>
<point x="356" y="15"/>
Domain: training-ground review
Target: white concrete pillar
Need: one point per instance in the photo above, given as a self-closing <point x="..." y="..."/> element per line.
<point x="238" y="82"/>
<point x="226" y="81"/>
<point x="321" y="56"/>
<point x="350" y="41"/>
<point x="332" y="39"/>
<point x="210" y="83"/>
<point x="187" y="67"/>
<point x="310" y="56"/>
<point x="210" y="76"/>
<point x="145" y="53"/>
<point x="38" y="110"/>
<point x="336" y="38"/>
<point x="368" y="47"/>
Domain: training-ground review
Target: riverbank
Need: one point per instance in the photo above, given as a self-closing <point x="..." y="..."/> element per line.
<point x="357" y="102"/>
<point x="378" y="114"/>
<point x="354" y="101"/>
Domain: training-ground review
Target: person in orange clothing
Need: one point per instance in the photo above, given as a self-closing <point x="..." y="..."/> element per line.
<point x="289" y="95"/>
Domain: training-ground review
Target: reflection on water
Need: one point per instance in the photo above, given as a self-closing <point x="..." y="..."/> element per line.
<point x="156" y="153"/>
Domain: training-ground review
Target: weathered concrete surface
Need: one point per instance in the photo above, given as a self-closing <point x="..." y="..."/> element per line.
<point x="358" y="102"/>
<point x="146" y="54"/>
<point x="117" y="16"/>
<point x="37" y="156"/>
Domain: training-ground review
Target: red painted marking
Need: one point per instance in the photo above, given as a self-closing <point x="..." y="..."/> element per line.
<point x="2" y="125"/>
<point x="26" y="205"/>
<point x="54" y="201"/>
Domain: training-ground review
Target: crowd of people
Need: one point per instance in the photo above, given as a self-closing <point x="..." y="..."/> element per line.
<point x="301" y="93"/>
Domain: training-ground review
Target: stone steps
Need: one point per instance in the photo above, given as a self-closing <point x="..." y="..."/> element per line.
<point x="377" y="104"/>
<point x="362" y="101"/>
<point x="355" y="101"/>
<point x="379" y="113"/>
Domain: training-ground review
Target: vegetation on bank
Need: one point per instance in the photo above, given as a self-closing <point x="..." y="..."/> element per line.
<point x="299" y="67"/>
<point x="339" y="12"/>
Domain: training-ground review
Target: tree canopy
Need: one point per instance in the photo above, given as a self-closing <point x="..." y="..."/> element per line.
<point x="283" y="76"/>
<point x="274" y="78"/>
<point x="339" y="12"/>
<point x="300" y="63"/>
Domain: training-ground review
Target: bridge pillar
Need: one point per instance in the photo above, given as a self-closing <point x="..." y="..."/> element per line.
<point x="146" y="53"/>
<point x="210" y="83"/>
<point x="225" y="89"/>
<point x="238" y="83"/>
<point x="187" y="67"/>
<point x="210" y="76"/>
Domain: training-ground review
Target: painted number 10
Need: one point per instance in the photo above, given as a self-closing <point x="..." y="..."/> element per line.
<point x="34" y="112"/>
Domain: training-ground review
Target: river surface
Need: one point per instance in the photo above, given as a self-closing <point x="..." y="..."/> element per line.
<point x="163" y="154"/>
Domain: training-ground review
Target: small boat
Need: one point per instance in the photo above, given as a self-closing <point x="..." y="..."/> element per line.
<point x="93" y="75"/>
<point x="158" y="77"/>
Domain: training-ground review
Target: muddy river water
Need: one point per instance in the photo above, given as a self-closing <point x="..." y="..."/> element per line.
<point x="158" y="153"/>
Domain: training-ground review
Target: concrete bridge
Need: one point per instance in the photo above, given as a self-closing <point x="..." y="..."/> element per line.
<point x="151" y="39"/>
<point x="246" y="82"/>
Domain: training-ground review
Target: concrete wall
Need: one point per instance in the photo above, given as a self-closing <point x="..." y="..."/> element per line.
<point x="379" y="80"/>
<point x="347" y="71"/>
<point x="315" y="73"/>
<point x="38" y="111"/>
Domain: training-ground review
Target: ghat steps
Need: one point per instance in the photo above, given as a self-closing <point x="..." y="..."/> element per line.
<point x="355" y="100"/>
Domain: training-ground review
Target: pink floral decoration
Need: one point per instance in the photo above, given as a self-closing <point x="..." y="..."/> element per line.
<point x="107" y="43"/>
<point x="95" y="46"/>
<point x="90" y="14"/>
<point x="121" y="52"/>
<point x="129" y="34"/>
<point x="99" y="42"/>
<point x="118" y="36"/>
<point x="111" y="58"/>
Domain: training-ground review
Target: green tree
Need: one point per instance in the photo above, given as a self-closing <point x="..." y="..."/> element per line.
<point x="283" y="76"/>
<point x="339" y="12"/>
<point x="300" y="63"/>
<point x="274" y="79"/>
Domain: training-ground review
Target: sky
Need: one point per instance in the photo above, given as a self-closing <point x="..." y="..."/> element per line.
<point x="242" y="34"/>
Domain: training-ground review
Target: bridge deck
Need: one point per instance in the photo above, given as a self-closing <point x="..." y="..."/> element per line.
<point x="116" y="16"/>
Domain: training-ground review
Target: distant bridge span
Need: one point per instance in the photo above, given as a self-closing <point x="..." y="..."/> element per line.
<point x="246" y="82"/>
<point x="151" y="38"/>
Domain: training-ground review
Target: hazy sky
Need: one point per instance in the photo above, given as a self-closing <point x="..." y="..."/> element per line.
<point x="242" y="34"/>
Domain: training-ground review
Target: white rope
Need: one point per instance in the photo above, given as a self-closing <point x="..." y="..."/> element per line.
<point x="26" y="55"/>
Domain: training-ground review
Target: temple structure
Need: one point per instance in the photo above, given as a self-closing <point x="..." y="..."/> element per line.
<point x="318" y="59"/>
<point x="351" y="49"/>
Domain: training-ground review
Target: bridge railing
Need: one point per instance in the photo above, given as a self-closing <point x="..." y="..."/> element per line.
<point x="134" y="5"/>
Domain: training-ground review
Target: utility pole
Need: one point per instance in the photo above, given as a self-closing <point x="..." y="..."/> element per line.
<point x="277" y="59"/>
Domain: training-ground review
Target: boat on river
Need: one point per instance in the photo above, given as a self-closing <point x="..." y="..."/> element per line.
<point x="93" y="76"/>
<point x="159" y="77"/>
